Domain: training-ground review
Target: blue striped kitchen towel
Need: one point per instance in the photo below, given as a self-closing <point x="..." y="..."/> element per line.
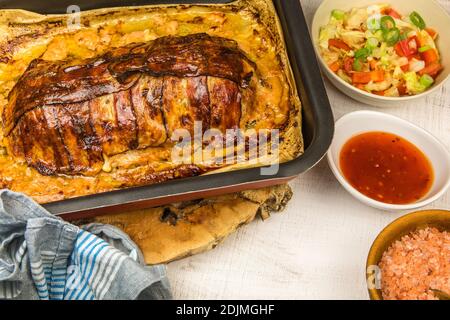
<point x="44" y="257"/>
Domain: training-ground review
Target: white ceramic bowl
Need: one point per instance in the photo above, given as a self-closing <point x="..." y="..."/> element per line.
<point x="435" y="16"/>
<point x="359" y="122"/>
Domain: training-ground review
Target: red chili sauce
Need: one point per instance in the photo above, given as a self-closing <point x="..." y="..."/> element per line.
<point x="386" y="168"/>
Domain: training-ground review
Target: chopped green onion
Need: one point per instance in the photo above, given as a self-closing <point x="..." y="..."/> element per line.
<point x="373" y="24"/>
<point x="417" y="20"/>
<point x="403" y="36"/>
<point x="362" y="53"/>
<point x="372" y="43"/>
<point x="379" y="35"/>
<point x="425" y="48"/>
<point x="387" y="23"/>
<point x="391" y="36"/>
<point x="338" y="14"/>
<point x="426" y="80"/>
<point x="380" y="52"/>
<point x="357" y="66"/>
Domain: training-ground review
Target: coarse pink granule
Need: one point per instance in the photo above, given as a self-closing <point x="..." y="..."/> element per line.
<point x="415" y="264"/>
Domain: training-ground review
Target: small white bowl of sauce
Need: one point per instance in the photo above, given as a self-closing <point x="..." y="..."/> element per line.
<point x="387" y="162"/>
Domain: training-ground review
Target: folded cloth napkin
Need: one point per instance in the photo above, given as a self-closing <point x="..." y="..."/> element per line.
<point x="44" y="257"/>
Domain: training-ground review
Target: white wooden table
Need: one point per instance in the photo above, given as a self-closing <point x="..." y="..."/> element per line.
<point x="318" y="247"/>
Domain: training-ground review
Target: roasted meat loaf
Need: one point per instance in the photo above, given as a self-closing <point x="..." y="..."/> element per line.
<point x="64" y="117"/>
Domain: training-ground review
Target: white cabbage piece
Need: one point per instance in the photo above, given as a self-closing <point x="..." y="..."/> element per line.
<point x="392" y="92"/>
<point x="403" y="25"/>
<point x="326" y="33"/>
<point x="344" y="76"/>
<point x="380" y="51"/>
<point x="376" y="8"/>
<point x="355" y="39"/>
<point x="373" y="22"/>
<point x="398" y="73"/>
<point x="426" y="39"/>
<point x="413" y="84"/>
<point x="329" y="56"/>
<point x="356" y="18"/>
<point x="380" y="86"/>
<point x="416" y="65"/>
<point x="329" y="31"/>
<point x="402" y="61"/>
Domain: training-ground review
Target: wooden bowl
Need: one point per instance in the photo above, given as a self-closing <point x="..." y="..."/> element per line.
<point x="439" y="219"/>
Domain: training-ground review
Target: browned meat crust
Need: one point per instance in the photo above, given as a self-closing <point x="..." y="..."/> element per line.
<point x="63" y="116"/>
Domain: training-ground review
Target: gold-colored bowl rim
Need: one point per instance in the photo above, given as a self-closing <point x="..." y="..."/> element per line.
<point x="396" y="230"/>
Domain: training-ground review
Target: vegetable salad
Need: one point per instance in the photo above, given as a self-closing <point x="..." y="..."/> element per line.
<point x="378" y="50"/>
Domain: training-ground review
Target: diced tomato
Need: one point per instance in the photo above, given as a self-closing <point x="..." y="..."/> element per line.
<point x="335" y="66"/>
<point x="366" y="77"/>
<point x="405" y="68"/>
<point x="402" y="88"/>
<point x="430" y="56"/>
<point x="399" y="50"/>
<point x="404" y="45"/>
<point x="361" y="77"/>
<point x="433" y="33"/>
<point x="394" y="14"/>
<point x="348" y="64"/>
<point x="432" y="70"/>
<point x="361" y="86"/>
<point x="378" y="93"/>
<point x="338" y="44"/>
<point x="377" y="75"/>
<point x="416" y="56"/>
<point x="407" y="47"/>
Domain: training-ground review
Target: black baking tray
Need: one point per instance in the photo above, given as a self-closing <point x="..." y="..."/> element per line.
<point x="318" y="122"/>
